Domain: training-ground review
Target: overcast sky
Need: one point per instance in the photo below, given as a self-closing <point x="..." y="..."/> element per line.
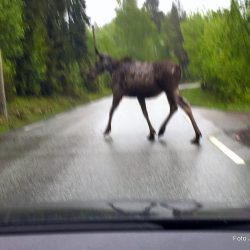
<point x="103" y="11"/>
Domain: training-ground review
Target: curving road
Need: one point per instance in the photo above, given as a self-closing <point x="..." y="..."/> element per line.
<point x="67" y="157"/>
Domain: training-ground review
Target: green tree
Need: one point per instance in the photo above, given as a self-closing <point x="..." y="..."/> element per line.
<point x="218" y="45"/>
<point x="77" y="49"/>
<point x="66" y="22"/>
<point x="152" y="7"/>
<point x="31" y="67"/>
<point x="77" y="19"/>
<point x="193" y="31"/>
<point x="136" y="34"/>
<point x="11" y="33"/>
<point x="176" y="37"/>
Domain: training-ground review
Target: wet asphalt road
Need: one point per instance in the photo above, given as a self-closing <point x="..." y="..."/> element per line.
<point x="67" y="158"/>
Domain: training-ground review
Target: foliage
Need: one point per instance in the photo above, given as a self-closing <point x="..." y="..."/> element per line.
<point x="201" y="98"/>
<point x="11" y="33"/>
<point x="144" y="34"/>
<point x="218" y="45"/>
<point x="136" y="34"/>
<point x="42" y="41"/>
<point x="31" y="67"/>
<point x="152" y="7"/>
<point x="11" y="28"/>
<point x="48" y="48"/>
<point x="193" y="29"/>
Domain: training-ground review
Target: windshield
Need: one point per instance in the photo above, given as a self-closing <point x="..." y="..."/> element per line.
<point x="124" y="101"/>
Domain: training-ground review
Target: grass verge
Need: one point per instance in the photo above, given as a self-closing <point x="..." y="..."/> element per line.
<point x="23" y="110"/>
<point x="199" y="97"/>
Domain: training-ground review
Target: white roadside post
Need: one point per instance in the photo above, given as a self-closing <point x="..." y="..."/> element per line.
<point x="3" y="105"/>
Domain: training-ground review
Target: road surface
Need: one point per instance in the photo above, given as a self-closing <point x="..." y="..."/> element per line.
<point x="66" y="158"/>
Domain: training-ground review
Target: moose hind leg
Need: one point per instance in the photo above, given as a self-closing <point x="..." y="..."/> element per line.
<point x="186" y="107"/>
<point x="142" y="103"/>
<point x="115" y="103"/>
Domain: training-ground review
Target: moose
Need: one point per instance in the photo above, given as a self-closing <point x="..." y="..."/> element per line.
<point x="142" y="80"/>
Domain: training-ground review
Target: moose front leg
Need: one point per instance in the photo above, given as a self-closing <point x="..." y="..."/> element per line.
<point x="116" y="100"/>
<point x="142" y="103"/>
<point x="173" y="109"/>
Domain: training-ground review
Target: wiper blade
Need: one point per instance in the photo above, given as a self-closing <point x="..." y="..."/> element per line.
<point x="186" y="209"/>
<point x="145" y="212"/>
<point x="176" y="209"/>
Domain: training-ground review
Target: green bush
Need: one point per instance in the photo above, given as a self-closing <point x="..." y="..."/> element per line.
<point x="218" y="45"/>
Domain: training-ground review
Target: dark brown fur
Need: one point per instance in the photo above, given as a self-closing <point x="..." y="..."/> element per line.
<point x="143" y="80"/>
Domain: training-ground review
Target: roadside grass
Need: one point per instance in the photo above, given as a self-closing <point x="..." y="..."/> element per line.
<point x="199" y="97"/>
<point x="23" y="110"/>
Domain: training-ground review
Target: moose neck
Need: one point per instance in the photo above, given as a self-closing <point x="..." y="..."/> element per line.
<point x="113" y="66"/>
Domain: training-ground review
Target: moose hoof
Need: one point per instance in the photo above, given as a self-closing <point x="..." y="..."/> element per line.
<point x="161" y="132"/>
<point x="151" y="137"/>
<point x="196" y="140"/>
<point x="107" y="131"/>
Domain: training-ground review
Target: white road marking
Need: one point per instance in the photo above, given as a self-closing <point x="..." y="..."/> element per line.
<point x="228" y="152"/>
<point x="31" y="127"/>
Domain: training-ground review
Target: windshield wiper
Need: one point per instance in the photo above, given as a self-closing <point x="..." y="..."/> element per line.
<point x="152" y="208"/>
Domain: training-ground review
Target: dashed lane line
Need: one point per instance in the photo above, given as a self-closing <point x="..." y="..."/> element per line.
<point x="228" y="152"/>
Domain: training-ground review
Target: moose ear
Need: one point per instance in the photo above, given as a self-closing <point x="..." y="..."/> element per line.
<point x="96" y="50"/>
